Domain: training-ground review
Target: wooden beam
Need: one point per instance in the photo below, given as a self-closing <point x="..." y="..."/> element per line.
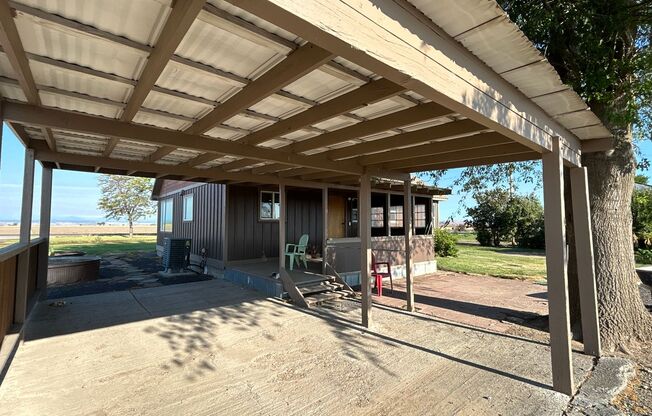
<point x="464" y="143"/>
<point x="28" y="198"/>
<point x="490" y="160"/>
<point x="556" y="269"/>
<point x="401" y="118"/>
<point x="297" y="64"/>
<point x="47" y="117"/>
<point x="46" y="203"/>
<point x="364" y="226"/>
<point x="455" y="128"/>
<point x="422" y="57"/>
<point x="585" y="261"/>
<point x="458" y="156"/>
<point x="148" y="169"/>
<point x="407" y="226"/>
<point x="598" y="145"/>
<point x="183" y="14"/>
<point x="324" y="227"/>
<point x="159" y="153"/>
<point x="201" y="159"/>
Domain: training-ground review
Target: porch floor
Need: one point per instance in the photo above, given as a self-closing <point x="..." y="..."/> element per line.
<point x="211" y="347"/>
<point x="270" y="266"/>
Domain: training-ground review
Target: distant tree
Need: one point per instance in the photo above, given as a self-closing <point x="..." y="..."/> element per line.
<point x="125" y="197"/>
<point x="641" y="179"/>
<point x="492" y="217"/>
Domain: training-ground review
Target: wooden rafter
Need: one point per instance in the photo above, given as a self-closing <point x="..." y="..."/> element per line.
<point x="176" y="26"/>
<point x="65" y="120"/>
<point x="13" y="48"/>
<point x="367" y="94"/>
<point x="485" y="160"/>
<point x="297" y="64"/>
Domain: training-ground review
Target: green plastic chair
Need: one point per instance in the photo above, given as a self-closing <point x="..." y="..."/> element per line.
<point x="297" y="252"/>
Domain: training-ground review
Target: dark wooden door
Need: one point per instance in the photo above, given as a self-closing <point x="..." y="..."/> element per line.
<point x="336" y="216"/>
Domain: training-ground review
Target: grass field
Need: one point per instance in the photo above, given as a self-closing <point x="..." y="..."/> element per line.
<point x="99" y="244"/>
<point x="505" y="262"/>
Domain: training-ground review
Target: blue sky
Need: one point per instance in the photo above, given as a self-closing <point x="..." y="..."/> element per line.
<point x="75" y="194"/>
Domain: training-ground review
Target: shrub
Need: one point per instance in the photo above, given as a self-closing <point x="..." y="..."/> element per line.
<point x="493" y="218"/>
<point x="445" y="243"/>
<point x="530" y="228"/>
<point x="643" y="256"/>
<point x="642" y="218"/>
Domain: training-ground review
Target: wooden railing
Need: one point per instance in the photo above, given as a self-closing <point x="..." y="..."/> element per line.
<point x="23" y="276"/>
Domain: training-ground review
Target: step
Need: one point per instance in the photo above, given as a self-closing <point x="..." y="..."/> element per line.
<point x="314" y="280"/>
<point x="317" y="299"/>
<point x="324" y="286"/>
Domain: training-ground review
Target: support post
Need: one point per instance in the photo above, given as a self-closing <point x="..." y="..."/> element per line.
<point x="364" y="224"/>
<point x="407" y="225"/>
<point x="224" y="232"/>
<point x="585" y="262"/>
<point x="281" y="228"/>
<point x="44" y="229"/>
<point x="388" y="204"/>
<point x="324" y="208"/>
<point x="555" y="230"/>
<point x="28" y="197"/>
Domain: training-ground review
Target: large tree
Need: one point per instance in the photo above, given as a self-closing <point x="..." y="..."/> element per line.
<point x="125" y="197"/>
<point x="602" y="49"/>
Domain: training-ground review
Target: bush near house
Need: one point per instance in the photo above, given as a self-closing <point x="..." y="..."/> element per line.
<point x="642" y="218"/>
<point x="643" y="256"/>
<point x="445" y="243"/>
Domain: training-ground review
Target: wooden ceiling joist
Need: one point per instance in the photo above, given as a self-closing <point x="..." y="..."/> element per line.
<point x="414" y="163"/>
<point x="299" y="63"/>
<point x="485" y="160"/>
<point x="455" y="128"/>
<point x="13" y="48"/>
<point x="367" y="94"/>
<point x="48" y="117"/>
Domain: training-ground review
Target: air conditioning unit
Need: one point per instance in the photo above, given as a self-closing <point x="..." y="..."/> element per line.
<point x="176" y="254"/>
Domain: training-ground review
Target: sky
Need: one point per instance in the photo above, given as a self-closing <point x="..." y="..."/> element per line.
<point x="75" y="194"/>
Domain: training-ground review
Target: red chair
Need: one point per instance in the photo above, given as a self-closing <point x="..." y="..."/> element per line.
<point x="379" y="270"/>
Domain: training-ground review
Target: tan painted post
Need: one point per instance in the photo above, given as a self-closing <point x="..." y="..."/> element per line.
<point x="324" y="202"/>
<point x="364" y="225"/>
<point x="224" y="234"/>
<point x="388" y="206"/>
<point x="585" y="262"/>
<point x="44" y="229"/>
<point x="407" y="225"/>
<point x="28" y="197"/>
<point x="281" y="228"/>
<point x="555" y="230"/>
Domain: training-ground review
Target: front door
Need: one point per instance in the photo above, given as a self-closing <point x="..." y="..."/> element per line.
<point x="336" y="216"/>
<point x="351" y="217"/>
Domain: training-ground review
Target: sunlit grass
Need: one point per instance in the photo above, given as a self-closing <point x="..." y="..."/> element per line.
<point x="98" y="244"/>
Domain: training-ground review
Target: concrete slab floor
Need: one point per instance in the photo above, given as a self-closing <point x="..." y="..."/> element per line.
<point x="211" y="348"/>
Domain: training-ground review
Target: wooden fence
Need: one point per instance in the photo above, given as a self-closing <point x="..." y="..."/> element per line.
<point x="23" y="273"/>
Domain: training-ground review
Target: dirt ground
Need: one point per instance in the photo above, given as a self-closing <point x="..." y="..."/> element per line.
<point x="210" y="347"/>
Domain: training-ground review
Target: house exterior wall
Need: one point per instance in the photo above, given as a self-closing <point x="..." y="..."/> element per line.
<point x="249" y="237"/>
<point x="206" y="226"/>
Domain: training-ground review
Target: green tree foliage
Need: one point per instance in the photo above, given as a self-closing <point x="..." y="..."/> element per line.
<point x="641" y="179"/>
<point x="642" y="218"/>
<point x="445" y="243"/>
<point x="498" y="217"/>
<point x="125" y="197"/>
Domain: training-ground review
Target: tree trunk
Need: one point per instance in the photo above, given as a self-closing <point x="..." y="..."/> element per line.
<point x="131" y="228"/>
<point x="623" y="316"/>
<point x="573" y="282"/>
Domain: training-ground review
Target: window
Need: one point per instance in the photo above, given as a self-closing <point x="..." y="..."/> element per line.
<point x="270" y="205"/>
<point x="419" y="216"/>
<point x="166" y="215"/>
<point x="187" y="207"/>
<point x="396" y="216"/>
<point x="377" y="220"/>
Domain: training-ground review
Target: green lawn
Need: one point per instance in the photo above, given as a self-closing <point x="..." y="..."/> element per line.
<point x="98" y="245"/>
<point x="506" y="262"/>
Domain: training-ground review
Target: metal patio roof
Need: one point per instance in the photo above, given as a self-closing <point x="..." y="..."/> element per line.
<point x="95" y="58"/>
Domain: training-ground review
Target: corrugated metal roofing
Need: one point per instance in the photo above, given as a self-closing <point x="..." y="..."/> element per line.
<point x="484" y="29"/>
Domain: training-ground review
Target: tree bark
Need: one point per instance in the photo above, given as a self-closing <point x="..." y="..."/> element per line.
<point x="623" y="316"/>
<point x="131" y="228"/>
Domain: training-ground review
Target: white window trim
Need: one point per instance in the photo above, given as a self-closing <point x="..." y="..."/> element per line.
<point x="163" y="212"/>
<point x="276" y="198"/>
<point x="192" y="208"/>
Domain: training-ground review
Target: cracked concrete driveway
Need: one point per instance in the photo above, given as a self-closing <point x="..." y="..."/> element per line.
<point x="210" y="348"/>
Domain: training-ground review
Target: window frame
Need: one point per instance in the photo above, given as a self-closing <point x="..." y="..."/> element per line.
<point x="276" y="200"/>
<point x="417" y="214"/>
<point x="166" y="204"/>
<point x="184" y="216"/>
<point x="395" y="212"/>
<point x="377" y="217"/>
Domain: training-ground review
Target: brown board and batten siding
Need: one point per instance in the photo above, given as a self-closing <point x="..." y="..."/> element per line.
<point x="206" y="226"/>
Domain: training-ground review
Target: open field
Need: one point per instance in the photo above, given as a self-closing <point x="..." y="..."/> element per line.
<point x="99" y="244"/>
<point x="505" y="262"/>
<point x="83" y="229"/>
